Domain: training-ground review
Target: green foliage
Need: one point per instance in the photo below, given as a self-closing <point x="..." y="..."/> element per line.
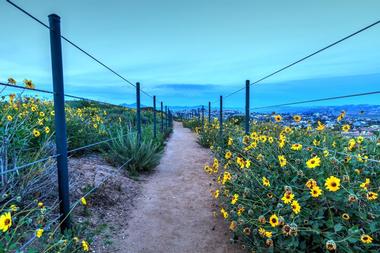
<point x="335" y="218"/>
<point x="140" y="157"/>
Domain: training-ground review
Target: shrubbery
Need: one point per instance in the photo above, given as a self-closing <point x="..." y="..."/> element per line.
<point x="294" y="189"/>
<point x="28" y="197"/>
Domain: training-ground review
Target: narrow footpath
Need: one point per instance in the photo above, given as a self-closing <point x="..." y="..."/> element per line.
<point x="174" y="212"/>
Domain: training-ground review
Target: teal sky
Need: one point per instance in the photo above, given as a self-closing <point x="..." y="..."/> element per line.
<point x="190" y="52"/>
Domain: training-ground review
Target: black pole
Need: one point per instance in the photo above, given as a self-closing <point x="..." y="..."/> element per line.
<point x="247" y="112"/>
<point x="209" y="112"/>
<point x="162" y="117"/>
<point x="60" y="119"/>
<point x="221" y="118"/>
<point x="203" y="118"/>
<point x="166" y="117"/>
<point x="154" y="118"/>
<point x="138" y="113"/>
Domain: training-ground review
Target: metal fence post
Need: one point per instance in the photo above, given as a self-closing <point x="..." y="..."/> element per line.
<point x="138" y="113"/>
<point x="203" y="118"/>
<point x="166" y="117"/>
<point x="209" y="112"/>
<point x="60" y="119"/>
<point x="154" y="118"/>
<point x="221" y="118"/>
<point x="162" y="117"/>
<point x="247" y="112"/>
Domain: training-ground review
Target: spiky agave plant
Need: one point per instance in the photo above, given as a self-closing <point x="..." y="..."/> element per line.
<point x="143" y="156"/>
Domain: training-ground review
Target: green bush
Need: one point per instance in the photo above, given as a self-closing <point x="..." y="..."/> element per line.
<point x="298" y="189"/>
<point x="139" y="157"/>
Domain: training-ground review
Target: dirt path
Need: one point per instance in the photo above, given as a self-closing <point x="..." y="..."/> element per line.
<point x="174" y="212"/>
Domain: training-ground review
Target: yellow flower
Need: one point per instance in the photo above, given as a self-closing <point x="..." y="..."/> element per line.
<point x="36" y="133"/>
<point x="42" y="114"/>
<point x="316" y="142"/>
<point x="265" y="233"/>
<point x="47" y="130"/>
<point x="296" y="207"/>
<point x="40" y="204"/>
<point x="14" y="208"/>
<point x="326" y="153"/>
<point x="240" y="210"/>
<point x="278" y="118"/>
<point x="313" y="162"/>
<point x="332" y="184"/>
<point x="281" y="143"/>
<point x="12" y="98"/>
<point x="296" y="146"/>
<point x="226" y="177"/>
<point x="288" y="197"/>
<point x="282" y="160"/>
<point x="297" y="118"/>
<point x="266" y="182"/>
<point x="228" y="155"/>
<point x="268" y="234"/>
<point x="39" y="232"/>
<point x="311" y="183"/>
<point x="233" y="225"/>
<point x="5" y="221"/>
<point x="372" y="195"/>
<point x="366" y="239"/>
<point x="9" y="118"/>
<point x="29" y="84"/>
<point x="224" y="213"/>
<point x="230" y="141"/>
<point x="316" y="191"/>
<point x="360" y="139"/>
<point x="351" y="144"/>
<point x="216" y="194"/>
<point x="83" y="201"/>
<point x="341" y="116"/>
<point x="273" y="220"/>
<point x="320" y="126"/>
<point x="346" y="128"/>
<point x="85" y="245"/>
<point x="234" y="199"/>
<point x="365" y="184"/>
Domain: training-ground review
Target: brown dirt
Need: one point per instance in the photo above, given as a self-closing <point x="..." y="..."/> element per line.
<point x="108" y="209"/>
<point x="174" y="212"/>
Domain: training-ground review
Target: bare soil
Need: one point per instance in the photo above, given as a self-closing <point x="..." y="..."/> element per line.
<point x="168" y="211"/>
<point x="174" y="212"/>
<point x="108" y="208"/>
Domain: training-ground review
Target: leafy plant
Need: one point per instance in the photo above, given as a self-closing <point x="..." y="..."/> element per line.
<point x="297" y="189"/>
<point x="138" y="156"/>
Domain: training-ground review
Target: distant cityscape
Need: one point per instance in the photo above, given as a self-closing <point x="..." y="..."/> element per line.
<point x="363" y="119"/>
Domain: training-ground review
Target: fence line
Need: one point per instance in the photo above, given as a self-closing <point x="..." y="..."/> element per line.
<point x="52" y="93"/>
<point x="306" y="57"/>
<point x="60" y="119"/>
<point x="318" y="100"/>
<point x="29" y="164"/>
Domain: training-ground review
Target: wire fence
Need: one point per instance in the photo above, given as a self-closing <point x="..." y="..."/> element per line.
<point x="62" y="152"/>
<point x="59" y="98"/>
<point x="247" y="115"/>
